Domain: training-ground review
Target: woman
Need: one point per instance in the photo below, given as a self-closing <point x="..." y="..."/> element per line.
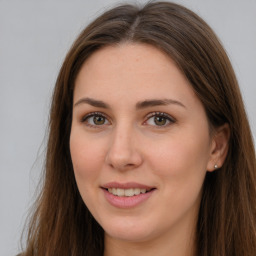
<point x="150" y="150"/>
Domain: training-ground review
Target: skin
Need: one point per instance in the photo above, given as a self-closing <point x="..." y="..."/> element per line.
<point x="128" y="144"/>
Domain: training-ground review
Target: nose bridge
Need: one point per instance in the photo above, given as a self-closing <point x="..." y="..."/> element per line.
<point x="123" y="152"/>
<point x="121" y="135"/>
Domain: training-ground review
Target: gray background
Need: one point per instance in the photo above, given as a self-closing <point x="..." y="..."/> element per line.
<point x="34" y="38"/>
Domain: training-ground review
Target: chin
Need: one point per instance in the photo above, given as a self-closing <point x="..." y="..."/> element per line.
<point x="130" y="232"/>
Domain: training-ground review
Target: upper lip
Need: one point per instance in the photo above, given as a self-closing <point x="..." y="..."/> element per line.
<point x="126" y="185"/>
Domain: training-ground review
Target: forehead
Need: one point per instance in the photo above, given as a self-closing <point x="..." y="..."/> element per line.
<point x="129" y="69"/>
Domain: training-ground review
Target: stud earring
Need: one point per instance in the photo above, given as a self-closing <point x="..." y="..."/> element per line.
<point x="215" y="166"/>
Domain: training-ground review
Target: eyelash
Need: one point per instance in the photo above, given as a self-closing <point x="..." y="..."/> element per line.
<point x="167" y="117"/>
<point x="93" y="114"/>
<point x="150" y="115"/>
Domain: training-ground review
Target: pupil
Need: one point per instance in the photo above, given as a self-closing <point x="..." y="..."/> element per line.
<point x="159" y="120"/>
<point x="99" y="120"/>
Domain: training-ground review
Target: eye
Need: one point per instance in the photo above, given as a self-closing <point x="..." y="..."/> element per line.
<point x="159" y="119"/>
<point x="95" y="119"/>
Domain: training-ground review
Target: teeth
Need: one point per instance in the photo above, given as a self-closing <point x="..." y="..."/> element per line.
<point x="129" y="192"/>
<point x="126" y="192"/>
<point x="137" y="191"/>
<point x="114" y="191"/>
<point x="120" y="192"/>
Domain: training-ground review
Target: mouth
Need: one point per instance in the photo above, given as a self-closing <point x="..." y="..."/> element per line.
<point x="127" y="195"/>
<point x="121" y="192"/>
<point x="127" y="189"/>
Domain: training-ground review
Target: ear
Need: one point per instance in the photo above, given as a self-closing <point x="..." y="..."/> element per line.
<point x="219" y="147"/>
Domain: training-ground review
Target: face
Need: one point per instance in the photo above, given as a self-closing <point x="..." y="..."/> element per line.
<point x="139" y="143"/>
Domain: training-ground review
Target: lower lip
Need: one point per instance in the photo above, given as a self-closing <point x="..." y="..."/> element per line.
<point x="127" y="201"/>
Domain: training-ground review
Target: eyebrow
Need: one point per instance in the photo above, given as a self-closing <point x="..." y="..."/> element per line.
<point x="92" y="102"/>
<point x="157" y="102"/>
<point x="139" y="105"/>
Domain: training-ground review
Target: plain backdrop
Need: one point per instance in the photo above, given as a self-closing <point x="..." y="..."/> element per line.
<point x="34" y="38"/>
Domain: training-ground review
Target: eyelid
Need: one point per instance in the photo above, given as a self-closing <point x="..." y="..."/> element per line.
<point x="85" y="117"/>
<point x="148" y="116"/>
<point x="162" y="114"/>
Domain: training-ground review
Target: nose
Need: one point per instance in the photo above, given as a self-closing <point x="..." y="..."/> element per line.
<point x="123" y="152"/>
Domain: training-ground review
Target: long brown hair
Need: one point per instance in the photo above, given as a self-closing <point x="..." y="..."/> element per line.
<point x="62" y="224"/>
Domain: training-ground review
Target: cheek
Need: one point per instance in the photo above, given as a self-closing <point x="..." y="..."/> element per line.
<point x="87" y="157"/>
<point x="181" y="159"/>
<point x="181" y="165"/>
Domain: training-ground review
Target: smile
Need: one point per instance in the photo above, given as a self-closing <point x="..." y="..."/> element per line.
<point x="127" y="192"/>
<point x="127" y="195"/>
